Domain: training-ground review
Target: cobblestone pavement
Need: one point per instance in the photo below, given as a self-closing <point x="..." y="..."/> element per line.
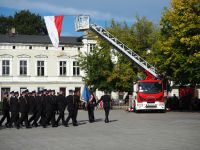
<point x="151" y="131"/>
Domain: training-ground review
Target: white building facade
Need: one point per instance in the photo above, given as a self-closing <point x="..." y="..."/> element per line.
<point x="31" y="62"/>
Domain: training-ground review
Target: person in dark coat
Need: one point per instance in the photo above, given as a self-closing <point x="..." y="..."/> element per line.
<point x="70" y="108"/>
<point x="5" y="110"/>
<point x="14" y="108"/>
<point x="24" y="109"/>
<point x="61" y="107"/>
<point x="76" y="104"/>
<point x="38" y="107"/>
<point x="43" y="101"/>
<point x="90" y="107"/>
<point x="55" y="106"/>
<point x="106" y="105"/>
<point x="32" y="107"/>
<point x="50" y="110"/>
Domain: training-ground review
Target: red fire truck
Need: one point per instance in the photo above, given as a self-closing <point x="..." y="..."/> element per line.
<point x="148" y="95"/>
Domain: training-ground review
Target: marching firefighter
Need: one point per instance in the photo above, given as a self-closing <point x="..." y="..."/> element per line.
<point x="61" y="107"/>
<point x="5" y="110"/>
<point x="71" y="109"/>
<point x="106" y="105"/>
<point x="14" y="108"/>
<point x="32" y="106"/>
<point x="24" y="109"/>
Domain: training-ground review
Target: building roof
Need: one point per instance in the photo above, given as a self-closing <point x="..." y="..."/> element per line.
<point x="38" y="39"/>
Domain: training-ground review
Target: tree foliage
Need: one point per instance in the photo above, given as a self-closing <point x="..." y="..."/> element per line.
<point x="24" y="22"/>
<point x="180" y="51"/>
<point x="97" y="66"/>
<point x="6" y="23"/>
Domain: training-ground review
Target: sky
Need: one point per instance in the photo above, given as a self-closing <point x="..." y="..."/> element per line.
<point x="101" y="12"/>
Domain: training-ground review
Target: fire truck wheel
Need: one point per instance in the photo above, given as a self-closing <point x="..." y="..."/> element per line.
<point x="137" y="111"/>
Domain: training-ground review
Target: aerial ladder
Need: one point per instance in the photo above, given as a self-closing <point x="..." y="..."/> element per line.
<point x="148" y="93"/>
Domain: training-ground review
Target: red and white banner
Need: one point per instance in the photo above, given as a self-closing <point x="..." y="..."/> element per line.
<point x="54" y="27"/>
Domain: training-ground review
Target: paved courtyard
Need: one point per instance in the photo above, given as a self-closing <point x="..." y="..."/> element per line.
<point x="151" y="131"/>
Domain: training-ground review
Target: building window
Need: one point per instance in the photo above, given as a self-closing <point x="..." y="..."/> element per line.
<point x="5" y="67"/>
<point x="63" y="68"/>
<point x="30" y="47"/>
<point x="76" y="68"/>
<point x="13" y="47"/>
<point x="23" y="67"/>
<point x="63" y="48"/>
<point x="40" y="68"/>
<point x="46" y="47"/>
<point x="92" y="47"/>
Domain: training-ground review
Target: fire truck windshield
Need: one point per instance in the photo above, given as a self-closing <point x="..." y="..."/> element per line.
<point x="150" y="87"/>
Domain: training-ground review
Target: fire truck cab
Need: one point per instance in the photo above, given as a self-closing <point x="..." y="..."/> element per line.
<point x="148" y="95"/>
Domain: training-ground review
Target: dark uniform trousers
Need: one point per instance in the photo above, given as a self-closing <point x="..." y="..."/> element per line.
<point x="38" y="108"/>
<point x="70" y="116"/>
<point x="107" y="110"/>
<point x="43" y="112"/>
<point x="76" y="100"/>
<point x="32" y="106"/>
<point x="6" y="113"/>
<point x="90" y="109"/>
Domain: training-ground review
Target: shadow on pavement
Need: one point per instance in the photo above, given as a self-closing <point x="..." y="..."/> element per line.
<point x="113" y="120"/>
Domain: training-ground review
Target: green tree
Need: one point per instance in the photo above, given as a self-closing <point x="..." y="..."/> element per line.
<point x="24" y="22"/>
<point x="97" y="66"/>
<point x="180" y="30"/>
<point x="29" y="23"/>
<point x="6" y="23"/>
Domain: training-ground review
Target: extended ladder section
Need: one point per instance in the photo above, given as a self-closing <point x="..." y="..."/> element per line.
<point x="120" y="47"/>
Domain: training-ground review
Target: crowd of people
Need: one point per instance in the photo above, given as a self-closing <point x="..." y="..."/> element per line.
<point x="187" y="102"/>
<point x="33" y="109"/>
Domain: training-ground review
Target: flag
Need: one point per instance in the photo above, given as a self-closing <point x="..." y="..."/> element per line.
<point x="86" y="94"/>
<point x="54" y="27"/>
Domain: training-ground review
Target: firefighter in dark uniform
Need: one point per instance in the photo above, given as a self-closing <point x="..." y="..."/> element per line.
<point x="61" y="107"/>
<point x="14" y="108"/>
<point x="32" y="107"/>
<point x="55" y="106"/>
<point x="50" y="110"/>
<point x="90" y="107"/>
<point x="5" y="110"/>
<point x="76" y="104"/>
<point x="70" y="108"/>
<point x="43" y="112"/>
<point x="24" y="109"/>
<point x="106" y="105"/>
<point x="38" y="107"/>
